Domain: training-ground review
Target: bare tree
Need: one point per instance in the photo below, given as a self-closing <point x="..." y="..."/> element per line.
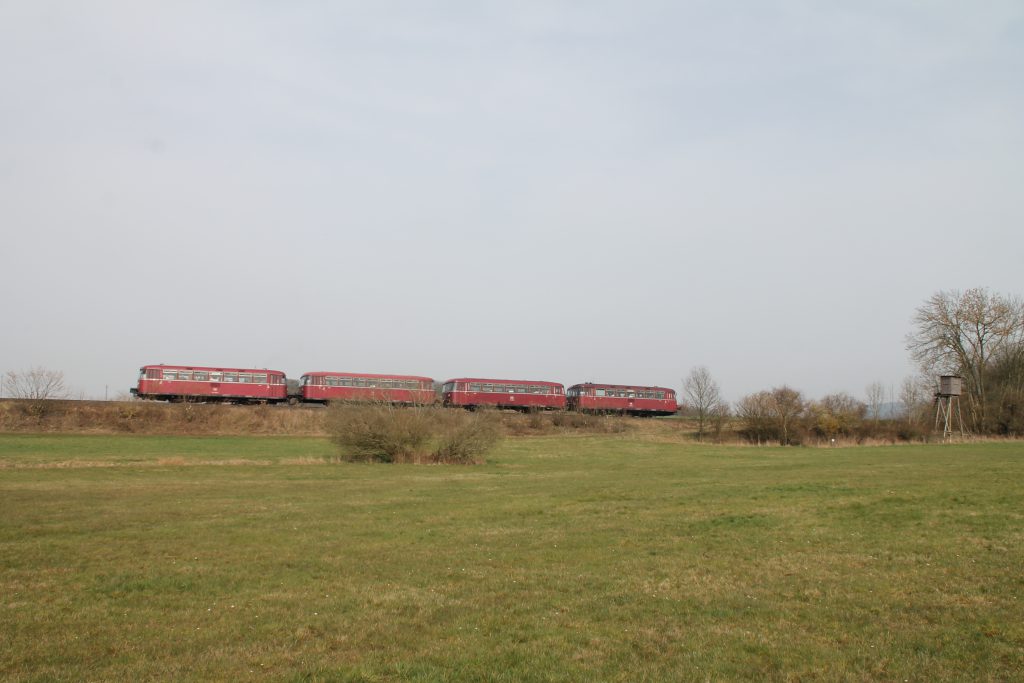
<point x="915" y="395"/>
<point x="703" y="395"/>
<point x="875" y="393"/>
<point x="786" y="406"/>
<point x="720" y="414"/>
<point x="35" y="384"/>
<point x="755" y="414"/>
<point x="960" y="333"/>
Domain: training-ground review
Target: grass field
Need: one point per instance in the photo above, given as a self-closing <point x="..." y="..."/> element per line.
<point x="562" y="559"/>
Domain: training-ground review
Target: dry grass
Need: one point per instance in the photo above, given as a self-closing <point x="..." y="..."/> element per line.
<point x="154" y="418"/>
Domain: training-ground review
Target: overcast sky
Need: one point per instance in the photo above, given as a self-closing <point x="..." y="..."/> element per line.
<point x="605" y="191"/>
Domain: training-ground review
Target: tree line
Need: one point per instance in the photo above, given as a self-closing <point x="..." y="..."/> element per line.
<point x="975" y="334"/>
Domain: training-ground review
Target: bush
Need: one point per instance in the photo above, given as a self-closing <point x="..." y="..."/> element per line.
<point x="378" y="432"/>
<point x="465" y="437"/>
<point x="384" y="433"/>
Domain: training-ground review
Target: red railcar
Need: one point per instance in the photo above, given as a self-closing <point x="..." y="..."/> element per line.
<point x="207" y="384"/>
<point x="470" y="392"/>
<point x="620" y="398"/>
<point x="323" y="387"/>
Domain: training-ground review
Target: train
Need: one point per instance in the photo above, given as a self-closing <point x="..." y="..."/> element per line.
<point x="261" y="386"/>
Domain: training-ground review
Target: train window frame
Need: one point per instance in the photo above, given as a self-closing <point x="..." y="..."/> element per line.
<point x="201" y="376"/>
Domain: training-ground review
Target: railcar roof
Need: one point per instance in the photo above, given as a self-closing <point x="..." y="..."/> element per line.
<point x="209" y="368"/>
<point x="367" y="375"/>
<point x="596" y="385"/>
<point x="503" y="381"/>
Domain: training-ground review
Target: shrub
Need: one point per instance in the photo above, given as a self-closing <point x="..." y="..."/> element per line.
<point x="465" y="437"/>
<point x="383" y="433"/>
<point x="377" y="432"/>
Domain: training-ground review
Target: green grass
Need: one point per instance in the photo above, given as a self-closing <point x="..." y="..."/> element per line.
<point x="562" y="559"/>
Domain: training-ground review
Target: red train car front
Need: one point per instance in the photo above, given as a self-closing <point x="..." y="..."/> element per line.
<point x="622" y="398"/>
<point x="209" y="384"/>
<point x="470" y="392"/>
<point x="324" y="387"/>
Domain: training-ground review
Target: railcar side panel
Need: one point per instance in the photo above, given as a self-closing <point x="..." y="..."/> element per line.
<point x="324" y="387"/>
<point x="470" y="392"/>
<point x="619" y="398"/>
<point x="183" y="382"/>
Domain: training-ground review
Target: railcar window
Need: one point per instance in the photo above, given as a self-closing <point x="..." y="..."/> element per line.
<point x="201" y="376"/>
<point x="661" y="394"/>
<point x="599" y="392"/>
<point x="475" y="386"/>
<point x="170" y="374"/>
<point x="215" y="376"/>
<point x="229" y="377"/>
<point x="185" y="375"/>
<point x="245" y="377"/>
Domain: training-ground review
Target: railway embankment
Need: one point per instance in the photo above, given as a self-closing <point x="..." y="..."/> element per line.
<point x="153" y="417"/>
